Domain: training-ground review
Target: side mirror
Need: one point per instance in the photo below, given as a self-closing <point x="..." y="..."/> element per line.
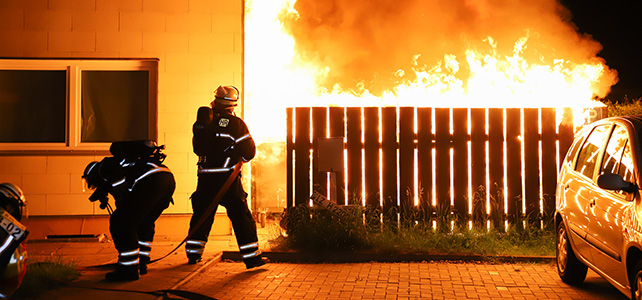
<point x="615" y="182"/>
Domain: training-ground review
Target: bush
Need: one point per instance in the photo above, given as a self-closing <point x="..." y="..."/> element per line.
<point x="624" y="107"/>
<point x="317" y="230"/>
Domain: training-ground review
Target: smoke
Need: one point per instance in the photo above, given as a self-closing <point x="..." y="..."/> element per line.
<point x="377" y="44"/>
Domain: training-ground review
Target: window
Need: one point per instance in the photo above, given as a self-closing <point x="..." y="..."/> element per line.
<point x="570" y="155"/>
<point x="76" y="105"/>
<point x="617" y="156"/>
<point x="588" y="154"/>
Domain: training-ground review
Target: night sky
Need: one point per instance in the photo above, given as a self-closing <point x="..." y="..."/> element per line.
<point x="617" y="25"/>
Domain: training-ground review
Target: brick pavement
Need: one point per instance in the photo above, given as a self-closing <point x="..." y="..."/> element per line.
<point x="230" y="280"/>
<point x="422" y="280"/>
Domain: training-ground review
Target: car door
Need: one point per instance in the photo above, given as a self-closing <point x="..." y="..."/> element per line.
<point x="606" y="208"/>
<point x="576" y="189"/>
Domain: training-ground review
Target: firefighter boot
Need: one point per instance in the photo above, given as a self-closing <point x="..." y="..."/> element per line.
<point x="142" y="265"/>
<point x="123" y="273"/>
<point x="254" y="262"/>
<point x="252" y="255"/>
<point x="194" y="259"/>
<point x="194" y="250"/>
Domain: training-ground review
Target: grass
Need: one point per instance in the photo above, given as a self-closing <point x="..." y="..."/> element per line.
<point x="45" y="275"/>
<point x="317" y="230"/>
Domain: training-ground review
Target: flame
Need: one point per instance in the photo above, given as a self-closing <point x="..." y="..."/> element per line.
<point x="484" y="67"/>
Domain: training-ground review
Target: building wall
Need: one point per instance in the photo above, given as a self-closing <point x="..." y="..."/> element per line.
<point x="199" y="44"/>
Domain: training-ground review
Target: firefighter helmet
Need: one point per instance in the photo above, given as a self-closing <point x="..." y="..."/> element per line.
<point x="12" y="199"/>
<point x="226" y="96"/>
<point x="91" y="176"/>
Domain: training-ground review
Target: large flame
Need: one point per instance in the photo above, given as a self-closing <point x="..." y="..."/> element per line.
<point x="473" y="53"/>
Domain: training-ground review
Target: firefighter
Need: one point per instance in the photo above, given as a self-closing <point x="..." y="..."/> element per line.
<point x="221" y="140"/>
<point x="142" y="188"/>
<point x="13" y="252"/>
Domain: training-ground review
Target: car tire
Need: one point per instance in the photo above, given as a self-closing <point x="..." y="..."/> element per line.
<point x="636" y="283"/>
<point x="569" y="268"/>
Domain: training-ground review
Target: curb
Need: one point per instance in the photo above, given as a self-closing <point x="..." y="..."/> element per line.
<point x="300" y="257"/>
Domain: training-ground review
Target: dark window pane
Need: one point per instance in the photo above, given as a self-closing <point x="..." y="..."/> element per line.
<point x="114" y="105"/>
<point x="33" y="106"/>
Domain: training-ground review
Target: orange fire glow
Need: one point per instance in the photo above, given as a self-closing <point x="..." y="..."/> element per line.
<point x="473" y="53"/>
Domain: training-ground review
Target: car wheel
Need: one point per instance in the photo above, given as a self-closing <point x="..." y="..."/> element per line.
<point x="636" y="283"/>
<point x="569" y="268"/>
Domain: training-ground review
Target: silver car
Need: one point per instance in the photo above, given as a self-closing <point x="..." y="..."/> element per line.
<point x="598" y="205"/>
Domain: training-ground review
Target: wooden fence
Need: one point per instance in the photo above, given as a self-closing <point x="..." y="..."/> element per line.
<point x="407" y="163"/>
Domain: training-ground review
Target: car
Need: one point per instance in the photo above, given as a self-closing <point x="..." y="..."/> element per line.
<point x="598" y="206"/>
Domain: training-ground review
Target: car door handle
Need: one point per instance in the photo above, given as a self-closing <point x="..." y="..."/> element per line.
<point x="592" y="202"/>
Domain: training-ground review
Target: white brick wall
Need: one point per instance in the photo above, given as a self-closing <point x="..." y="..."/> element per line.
<point x="199" y="47"/>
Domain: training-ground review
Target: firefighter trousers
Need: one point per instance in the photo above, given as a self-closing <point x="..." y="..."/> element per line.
<point x="136" y="213"/>
<point x="235" y="202"/>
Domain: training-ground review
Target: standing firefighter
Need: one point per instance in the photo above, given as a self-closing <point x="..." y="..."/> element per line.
<point x="142" y="188"/>
<point x="221" y="141"/>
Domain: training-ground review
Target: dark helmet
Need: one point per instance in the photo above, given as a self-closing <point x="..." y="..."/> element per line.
<point x="12" y="199"/>
<point x="226" y="96"/>
<point x="91" y="175"/>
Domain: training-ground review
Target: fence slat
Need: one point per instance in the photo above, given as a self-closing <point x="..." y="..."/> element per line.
<point x="496" y="164"/>
<point x="289" y="146"/>
<point x="565" y="132"/>
<point x="319" y="179"/>
<point x="406" y="163"/>
<point x="513" y="162"/>
<point x="302" y="148"/>
<point x="371" y="168"/>
<point x="353" y="145"/>
<point x="549" y="160"/>
<point x="442" y="160"/>
<point x="389" y="167"/>
<point x="531" y="164"/>
<point x="478" y="164"/>
<point x="336" y="124"/>
<point x="460" y="162"/>
<point x="424" y="163"/>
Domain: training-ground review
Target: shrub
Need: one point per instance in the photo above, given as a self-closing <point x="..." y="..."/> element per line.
<point x="624" y="107"/>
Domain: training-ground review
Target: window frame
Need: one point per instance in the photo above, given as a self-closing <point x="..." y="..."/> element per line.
<point x="73" y="118"/>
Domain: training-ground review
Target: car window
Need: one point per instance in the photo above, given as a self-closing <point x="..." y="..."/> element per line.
<point x="614" y="150"/>
<point x="587" y="158"/>
<point x="570" y="155"/>
<point x="618" y="158"/>
<point x="626" y="165"/>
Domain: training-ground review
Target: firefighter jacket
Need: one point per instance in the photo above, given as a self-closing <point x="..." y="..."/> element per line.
<point x="122" y="175"/>
<point x="222" y="142"/>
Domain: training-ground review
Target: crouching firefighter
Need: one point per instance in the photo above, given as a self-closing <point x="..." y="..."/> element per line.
<point x="13" y="253"/>
<point x="142" y="188"/>
<point x="222" y="140"/>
